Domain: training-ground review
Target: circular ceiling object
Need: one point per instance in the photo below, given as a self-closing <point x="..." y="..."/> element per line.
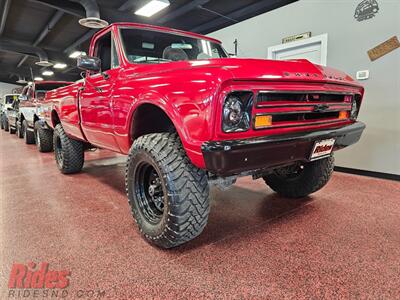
<point x="44" y="63"/>
<point x="93" y="22"/>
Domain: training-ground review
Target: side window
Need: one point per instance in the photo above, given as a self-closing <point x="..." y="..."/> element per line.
<point x="114" y="55"/>
<point x="103" y="51"/>
<point x="29" y="93"/>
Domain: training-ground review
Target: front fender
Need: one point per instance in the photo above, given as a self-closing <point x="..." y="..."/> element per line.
<point x="188" y="98"/>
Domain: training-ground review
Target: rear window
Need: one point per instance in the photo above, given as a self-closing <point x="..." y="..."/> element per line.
<point x="49" y="86"/>
<point x="10" y="99"/>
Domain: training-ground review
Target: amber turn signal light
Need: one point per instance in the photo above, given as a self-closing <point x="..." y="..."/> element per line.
<point x="343" y="115"/>
<point x="262" y="121"/>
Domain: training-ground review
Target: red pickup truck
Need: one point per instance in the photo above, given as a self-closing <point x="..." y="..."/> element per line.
<point x="188" y="116"/>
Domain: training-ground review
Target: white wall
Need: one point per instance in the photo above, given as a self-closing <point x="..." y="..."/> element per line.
<point x="348" y="43"/>
<point x="6" y="88"/>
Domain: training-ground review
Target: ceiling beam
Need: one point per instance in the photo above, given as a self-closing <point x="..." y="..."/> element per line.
<point x="110" y="15"/>
<point x="80" y="41"/>
<point x="6" y="8"/>
<point x="66" y="7"/>
<point x="181" y="11"/>
<point x="264" y="5"/>
<point x="49" y="26"/>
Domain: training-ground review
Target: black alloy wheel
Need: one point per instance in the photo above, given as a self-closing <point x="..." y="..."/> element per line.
<point x="149" y="191"/>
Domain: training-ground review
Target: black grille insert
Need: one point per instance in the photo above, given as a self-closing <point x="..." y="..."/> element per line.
<point x="266" y="97"/>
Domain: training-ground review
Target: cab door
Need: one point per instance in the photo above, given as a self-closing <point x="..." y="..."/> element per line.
<point x="96" y="98"/>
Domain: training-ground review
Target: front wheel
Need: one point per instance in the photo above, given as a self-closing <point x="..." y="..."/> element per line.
<point x="300" y="180"/>
<point x="5" y="123"/>
<point x="11" y="129"/>
<point x="169" y="196"/>
<point x="20" y="130"/>
<point x="28" y="134"/>
<point x="69" y="153"/>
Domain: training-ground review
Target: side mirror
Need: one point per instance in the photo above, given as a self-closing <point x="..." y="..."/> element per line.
<point x="23" y="98"/>
<point x="89" y="63"/>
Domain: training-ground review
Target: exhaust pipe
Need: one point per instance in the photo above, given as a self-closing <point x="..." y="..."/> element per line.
<point x="92" y="19"/>
<point x="9" y="46"/>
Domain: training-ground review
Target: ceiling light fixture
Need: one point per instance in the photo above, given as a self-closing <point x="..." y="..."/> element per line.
<point x="60" y="66"/>
<point x="47" y="73"/>
<point x="76" y="54"/>
<point x="21" y="80"/>
<point x="151" y="8"/>
<point x="38" y="78"/>
<point x="43" y="63"/>
<point x="93" y="22"/>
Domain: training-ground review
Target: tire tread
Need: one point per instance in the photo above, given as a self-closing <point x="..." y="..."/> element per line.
<point x="188" y="191"/>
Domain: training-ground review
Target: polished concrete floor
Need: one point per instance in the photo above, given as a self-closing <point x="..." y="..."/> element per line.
<point x="342" y="242"/>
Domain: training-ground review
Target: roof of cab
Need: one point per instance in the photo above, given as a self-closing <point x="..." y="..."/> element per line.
<point x="51" y="82"/>
<point x="157" y="28"/>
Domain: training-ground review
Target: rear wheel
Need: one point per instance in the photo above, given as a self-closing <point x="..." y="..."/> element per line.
<point x="169" y="196"/>
<point x="28" y="135"/>
<point x="43" y="138"/>
<point x="300" y="180"/>
<point x="69" y="153"/>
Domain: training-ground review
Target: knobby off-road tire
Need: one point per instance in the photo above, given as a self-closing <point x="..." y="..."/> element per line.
<point x="20" y="131"/>
<point x="28" y="135"/>
<point x="5" y="123"/>
<point x="69" y="153"/>
<point x="11" y="130"/>
<point x="312" y="178"/>
<point x="2" y="121"/>
<point x="43" y="138"/>
<point x="169" y="196"/>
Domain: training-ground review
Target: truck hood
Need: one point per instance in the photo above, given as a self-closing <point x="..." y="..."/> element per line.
<point x="260" y="70"/>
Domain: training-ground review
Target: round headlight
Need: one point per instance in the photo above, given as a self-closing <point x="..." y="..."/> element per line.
<point x="354" y="110"/>
<point x="233" y="111"/>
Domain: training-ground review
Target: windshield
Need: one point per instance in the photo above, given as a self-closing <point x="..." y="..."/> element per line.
<point x="10" y="99"/>
<point x="146" y="46"/>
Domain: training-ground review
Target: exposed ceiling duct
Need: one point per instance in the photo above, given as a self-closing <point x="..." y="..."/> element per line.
<point x="9" y="46"/>
<point x="21" y="79"/>
<point x="92" y="19"/>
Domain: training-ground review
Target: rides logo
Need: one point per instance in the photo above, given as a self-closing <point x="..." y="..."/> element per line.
<point x="33" y="276"/>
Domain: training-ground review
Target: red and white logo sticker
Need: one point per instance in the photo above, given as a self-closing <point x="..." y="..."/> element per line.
<point x="322" y="149"/>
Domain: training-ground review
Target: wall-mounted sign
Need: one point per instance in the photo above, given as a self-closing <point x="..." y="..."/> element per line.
<point x="367" y="9"/>
<point x="296" y="37"/>
<point x="384" y="48"/>
<point x="17" y="90"/>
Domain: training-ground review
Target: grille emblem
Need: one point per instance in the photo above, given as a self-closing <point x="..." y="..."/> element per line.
<point x="320" y="108"/>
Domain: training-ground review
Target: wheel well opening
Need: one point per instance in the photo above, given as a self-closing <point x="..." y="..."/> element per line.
<point x="148" y="119"/>
<point x="54" y="118"/>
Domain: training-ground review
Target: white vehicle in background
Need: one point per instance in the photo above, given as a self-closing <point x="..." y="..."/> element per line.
<point x="6" y="104"/>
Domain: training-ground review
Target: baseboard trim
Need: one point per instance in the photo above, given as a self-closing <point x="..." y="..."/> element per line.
<point x="368" y="173"/>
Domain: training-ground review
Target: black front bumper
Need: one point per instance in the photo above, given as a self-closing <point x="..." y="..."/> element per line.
<point x="225" y="158"/>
